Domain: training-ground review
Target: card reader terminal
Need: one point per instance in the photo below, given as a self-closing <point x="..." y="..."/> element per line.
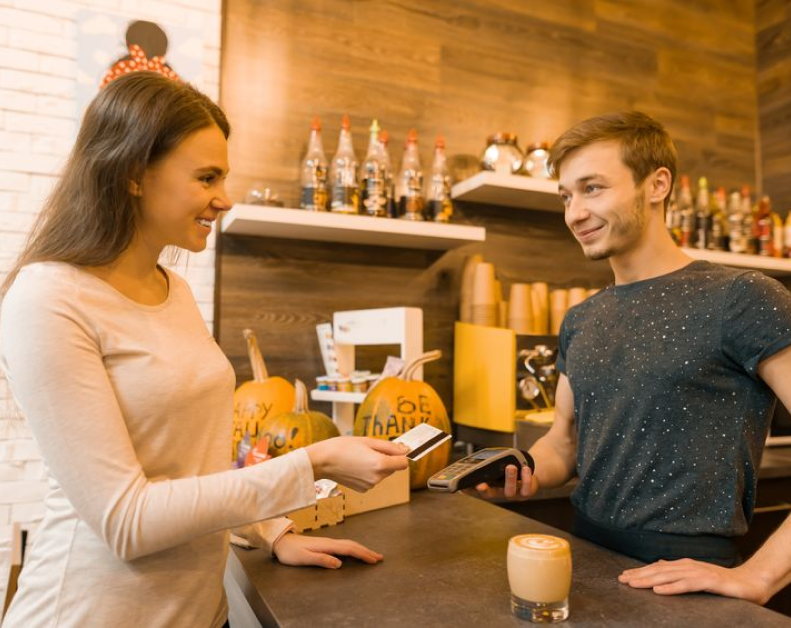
<point x="486" y="465"/>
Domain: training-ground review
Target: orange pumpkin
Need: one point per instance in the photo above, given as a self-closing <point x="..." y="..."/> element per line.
<point x="298" y="428"/>
<point x="257" y="400"/>
<point x="396" y="405"/>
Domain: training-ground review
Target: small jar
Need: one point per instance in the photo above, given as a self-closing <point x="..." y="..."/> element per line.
<point x="322" y="382"/>
<point x="536" y="161"/>
<point x="502" y="154"/>
<point x="332" y="383"/>
<point x="359" y="384"/>
<point x="344" y="384"/>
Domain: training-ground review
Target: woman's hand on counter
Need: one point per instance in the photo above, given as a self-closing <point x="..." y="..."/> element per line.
<point x="356" y="461"/>
<point x="514" y="488"/>
<point x="312" y="551"/>
<point x="687" y="576"/>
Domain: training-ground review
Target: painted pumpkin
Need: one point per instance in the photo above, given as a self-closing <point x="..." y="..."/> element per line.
<point x="396" y="405"/>
<point x="298" y="428"/>
<point x="259" y="399"/>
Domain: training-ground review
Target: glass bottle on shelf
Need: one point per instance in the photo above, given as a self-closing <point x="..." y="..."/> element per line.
<point x="440" y="206"/>
<point x="409" y="185"/>
<point x="719" y="226"/>
<point x="764" y="226"/>
<point x="750" y="225"/>
<point x="343" y="174"/>
<point x="673" y="217"/>
<point x="392" y="201"/>
<point x="687" y="213"/>
<point x="703" y="215"/>
<point x="737" y="240"/>
<point x="373" y="190"/>
<point x="313" y="176"/>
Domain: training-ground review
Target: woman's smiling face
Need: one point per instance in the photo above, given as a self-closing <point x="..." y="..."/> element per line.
<point x="182" y="194"/>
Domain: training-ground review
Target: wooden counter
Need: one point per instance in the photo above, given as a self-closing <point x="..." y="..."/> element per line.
<point x="445" y="566"/>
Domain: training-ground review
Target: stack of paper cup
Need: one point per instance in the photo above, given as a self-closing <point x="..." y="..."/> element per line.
<point x="520" y="309"/>
<point x="502" y="314"/>
<point x="467" y="279"/>
<point x="558" y="304"/>
<point x="484" y="307"/>
<point x="539" y="293"/>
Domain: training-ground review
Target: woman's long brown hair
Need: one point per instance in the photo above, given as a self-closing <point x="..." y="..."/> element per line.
<point x="89" y="218"/>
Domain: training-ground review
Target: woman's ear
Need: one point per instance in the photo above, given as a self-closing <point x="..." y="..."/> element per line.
<point x="661" y="182"/>
<point x="135" y="189"/>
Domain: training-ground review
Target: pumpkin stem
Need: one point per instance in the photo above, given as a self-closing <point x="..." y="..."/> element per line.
<point x="409" y="369"/>
<point x="301" y="397"/>
<point x="260" y="373"/>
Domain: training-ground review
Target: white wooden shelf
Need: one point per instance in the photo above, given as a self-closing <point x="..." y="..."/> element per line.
<point x="775" y="266"/>
<point x="510" y="190"/>
<point x="279" y="222"/>
<point x="337" y="397"/>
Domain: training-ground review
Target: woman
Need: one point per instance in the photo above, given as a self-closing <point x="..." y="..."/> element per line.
<point x="127" y="394"/>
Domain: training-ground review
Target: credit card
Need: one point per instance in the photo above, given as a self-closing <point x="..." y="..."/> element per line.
<point x="421" y="439"/>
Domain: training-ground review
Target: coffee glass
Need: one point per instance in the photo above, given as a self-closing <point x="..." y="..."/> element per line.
<point x="539" y="574"/>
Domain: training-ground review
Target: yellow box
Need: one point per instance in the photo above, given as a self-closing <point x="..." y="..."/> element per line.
<point x="484" y="376"/>
<point x="391" y="491"/>
<point x="325" y="512"/>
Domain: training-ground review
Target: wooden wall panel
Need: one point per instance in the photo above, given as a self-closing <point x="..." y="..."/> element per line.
<point x="773" y="50"/>
<point x="463" y="68"/>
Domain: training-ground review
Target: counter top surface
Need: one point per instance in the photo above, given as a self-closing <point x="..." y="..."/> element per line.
<point x="445" y="566"/>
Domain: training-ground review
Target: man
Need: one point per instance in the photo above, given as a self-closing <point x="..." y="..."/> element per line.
<point x="668" y="378"/>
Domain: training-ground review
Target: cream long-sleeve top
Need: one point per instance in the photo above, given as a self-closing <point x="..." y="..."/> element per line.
<point x="131" y="406"/>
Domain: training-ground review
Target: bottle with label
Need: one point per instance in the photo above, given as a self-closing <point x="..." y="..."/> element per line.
<point x="343" y="174"/>
<point x="737" y="240"/>
<point x="440" y="206"/>
<point x="703" y="220"/>
<point x="392" y="201"/>
<point x="313" y="177"/>
<point x="750" y="224"/>
<point x="373" y="187"/>
<point x="673" y="217"/>
<point x="764" y="227"/>
<point x="719" y="226"/>
<point x="686" y="212"/>
<point x="409" y="184"/>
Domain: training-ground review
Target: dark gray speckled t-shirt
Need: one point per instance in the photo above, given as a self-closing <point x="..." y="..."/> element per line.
<point x="671" y="415"/>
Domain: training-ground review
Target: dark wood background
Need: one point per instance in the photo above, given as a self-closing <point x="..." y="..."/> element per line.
<point x="773" y="50"/>
<point x="465" y="69"/>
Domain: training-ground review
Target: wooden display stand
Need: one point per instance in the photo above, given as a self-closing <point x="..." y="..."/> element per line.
<point x="330" y="511"/>
<point x="402" y="326"/>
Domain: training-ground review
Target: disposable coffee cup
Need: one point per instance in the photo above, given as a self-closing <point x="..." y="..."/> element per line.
<point x="539" y="293"/>
<point x="483" y="285"/>
<point x="539" y="576"/>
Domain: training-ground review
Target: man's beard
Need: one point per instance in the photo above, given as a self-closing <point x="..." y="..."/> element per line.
<point x="620" y="229"/>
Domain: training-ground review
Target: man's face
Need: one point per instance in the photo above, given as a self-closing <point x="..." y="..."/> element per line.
<point x="605" y="211"/>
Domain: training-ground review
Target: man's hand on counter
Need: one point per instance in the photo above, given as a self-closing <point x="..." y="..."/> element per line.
<point x="515" y="487"/>
<point x="306" y="551"/>
<point x="687" y="576"/>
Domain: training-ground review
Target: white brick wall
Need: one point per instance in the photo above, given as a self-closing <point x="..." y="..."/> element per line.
<point x="38" y="69"/>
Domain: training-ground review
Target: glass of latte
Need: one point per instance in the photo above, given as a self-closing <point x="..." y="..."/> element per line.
<point x="539" y="574"/>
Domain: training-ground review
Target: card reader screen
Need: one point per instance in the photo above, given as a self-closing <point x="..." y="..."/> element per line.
<point x="484" y="454"/>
